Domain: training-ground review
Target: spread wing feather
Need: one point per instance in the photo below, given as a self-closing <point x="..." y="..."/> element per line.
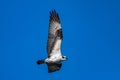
<point x="55" y="32"/>
<point x="54" y="67"/>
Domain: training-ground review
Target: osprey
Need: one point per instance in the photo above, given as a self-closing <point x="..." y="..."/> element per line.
<point x="55" y="58"/>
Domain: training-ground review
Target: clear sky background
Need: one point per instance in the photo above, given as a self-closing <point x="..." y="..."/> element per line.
<point x="91" y="39"/>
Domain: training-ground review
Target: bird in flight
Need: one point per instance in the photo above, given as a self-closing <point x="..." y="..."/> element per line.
<point x="55" y="36"/>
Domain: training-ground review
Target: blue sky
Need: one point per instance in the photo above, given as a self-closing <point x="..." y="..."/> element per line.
<point x="91" y="31"/>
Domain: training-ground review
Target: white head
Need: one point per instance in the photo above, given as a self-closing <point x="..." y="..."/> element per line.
<point x="64" y="58"/>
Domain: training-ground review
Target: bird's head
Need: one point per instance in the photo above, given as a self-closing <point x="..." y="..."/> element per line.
<point x="64" y="58"/>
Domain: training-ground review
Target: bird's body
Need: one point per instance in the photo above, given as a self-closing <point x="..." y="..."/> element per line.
<point x="55" y="36"/>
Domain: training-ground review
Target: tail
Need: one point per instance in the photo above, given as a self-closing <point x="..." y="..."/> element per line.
<point x="40" y="61"/>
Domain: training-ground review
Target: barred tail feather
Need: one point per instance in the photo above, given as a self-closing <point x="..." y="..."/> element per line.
<point x="40" y="61"/>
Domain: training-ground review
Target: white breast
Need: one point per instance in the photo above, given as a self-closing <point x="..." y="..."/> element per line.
<point x="55" y="56"/>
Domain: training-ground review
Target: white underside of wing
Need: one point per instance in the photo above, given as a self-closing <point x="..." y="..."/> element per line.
<point x="55" y="26"/>
<point x="55" y="55"/>
<point x="57" y="44"/>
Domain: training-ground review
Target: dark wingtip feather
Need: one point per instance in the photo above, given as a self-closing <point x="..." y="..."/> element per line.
<point x="54" y="16"/>
<point x="54" y="67"/>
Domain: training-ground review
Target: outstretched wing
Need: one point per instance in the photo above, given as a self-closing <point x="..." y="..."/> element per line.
<point x="53" y="67"/>
<point x="55" y="33"/>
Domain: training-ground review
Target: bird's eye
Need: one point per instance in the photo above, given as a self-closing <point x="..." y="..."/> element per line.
<point x="63" y="57"/>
